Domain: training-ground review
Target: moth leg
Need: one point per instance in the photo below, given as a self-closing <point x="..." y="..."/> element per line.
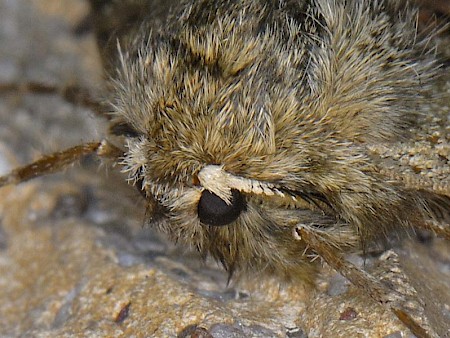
<point x="436" y="195"/>
<point x="72" y="93"/>
<point x="58" y="161"/>
<point x="398" y="303"/>
<point x="416" y="182"/>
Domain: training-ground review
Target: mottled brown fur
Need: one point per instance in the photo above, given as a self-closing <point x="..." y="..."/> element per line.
<point x="290" y="93"/>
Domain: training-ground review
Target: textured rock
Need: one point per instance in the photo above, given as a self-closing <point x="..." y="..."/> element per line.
<point x="75" y="260"/>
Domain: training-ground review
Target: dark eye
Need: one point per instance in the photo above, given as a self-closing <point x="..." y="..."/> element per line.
<point x="212" y="210"/>
<point x="123" y="129"/>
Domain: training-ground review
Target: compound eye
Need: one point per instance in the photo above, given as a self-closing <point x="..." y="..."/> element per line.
<point x="213" y="210"/>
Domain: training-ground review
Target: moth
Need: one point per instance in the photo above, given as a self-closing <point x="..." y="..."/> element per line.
<point x="262" y="133"/>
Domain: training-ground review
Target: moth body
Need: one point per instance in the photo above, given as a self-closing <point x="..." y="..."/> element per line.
<point x="244" y="119"/>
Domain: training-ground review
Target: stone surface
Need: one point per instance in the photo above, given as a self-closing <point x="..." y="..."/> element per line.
<point x="75" y="259"/>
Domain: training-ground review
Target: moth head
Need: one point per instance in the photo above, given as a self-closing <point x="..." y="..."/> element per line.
<point x="208" y="166"/>
<point x="244" y="222"/>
